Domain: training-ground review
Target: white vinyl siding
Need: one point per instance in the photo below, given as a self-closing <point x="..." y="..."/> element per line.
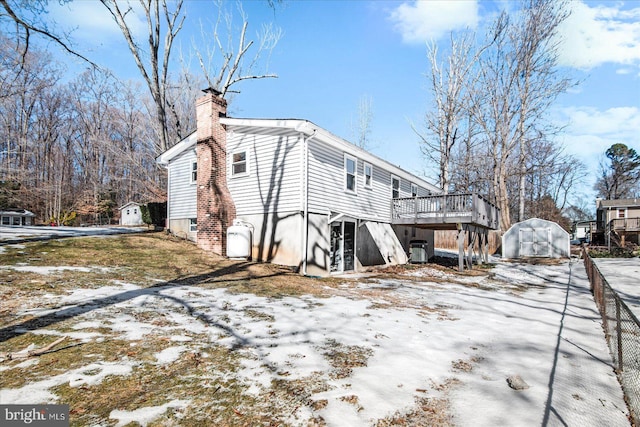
<point x="327" y="181"/>
<point x="182" y="194"/>
<point x="272" y="183"/>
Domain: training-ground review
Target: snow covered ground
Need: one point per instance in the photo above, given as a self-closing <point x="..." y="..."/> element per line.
<point x="13" y="234"/>
<point x="431" y="333"/>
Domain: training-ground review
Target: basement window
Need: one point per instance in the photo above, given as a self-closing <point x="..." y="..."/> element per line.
<point x="193" y="224"/>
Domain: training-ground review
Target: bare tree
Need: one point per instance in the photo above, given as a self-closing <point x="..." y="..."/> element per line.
<point x="535" y="43"/>
<point x="226" y="61"/>
<point x="153" y="62"/>
<point x="449" y="83"/>
<point x="27" y="17"/>
<point x="517" y="84"/>
<point x="361" y="128"/>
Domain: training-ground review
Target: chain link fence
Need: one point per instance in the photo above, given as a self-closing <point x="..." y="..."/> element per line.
<point x="622" y="329"/>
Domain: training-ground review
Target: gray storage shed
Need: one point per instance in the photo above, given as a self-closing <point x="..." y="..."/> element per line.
<point x="535" y="237"/>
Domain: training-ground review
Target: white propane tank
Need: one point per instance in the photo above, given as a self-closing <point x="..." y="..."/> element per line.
<point x="238" y="240"/>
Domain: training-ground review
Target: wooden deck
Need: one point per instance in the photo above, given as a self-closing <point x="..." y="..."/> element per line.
<point x="446" y="212"/>
<point x="625" y="224"/>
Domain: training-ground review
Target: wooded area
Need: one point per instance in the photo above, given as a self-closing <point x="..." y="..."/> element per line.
<point x="84" y="147"/>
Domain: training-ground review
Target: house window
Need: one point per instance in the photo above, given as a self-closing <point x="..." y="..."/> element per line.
<point x="395" y="187"/>
<point x="128" y="212"/>
<point x="194" y="172"/>
<point x="368" y="175"/>
<point x="622" y="213"/>
<point x="193" y="224"/>
<point x="239" y="164"/>
<point x="350" y="173"/>
<point x="135" y="211"/>
<point x="414" y="190"/>
<point x="5" y="220"/>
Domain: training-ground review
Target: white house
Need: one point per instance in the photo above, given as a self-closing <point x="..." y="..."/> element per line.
<point x="130" y="214"/>
<point x="16" y="217"/>
<point x="313" y="200"/>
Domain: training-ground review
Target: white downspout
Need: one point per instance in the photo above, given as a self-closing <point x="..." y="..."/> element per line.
<point x="305" y="198"/>
<point x="168" y="220"/>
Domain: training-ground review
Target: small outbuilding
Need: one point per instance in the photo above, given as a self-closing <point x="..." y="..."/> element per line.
<point x="16" y="217"/>
<point x="130" y="214"/>
<point x="535" y="238"/>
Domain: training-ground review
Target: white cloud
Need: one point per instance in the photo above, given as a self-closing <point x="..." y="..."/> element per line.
<point x="602" y="34"/>
<point x="90" y="21"/>
<point x="591" y="131"/>
<point x="422" y="21"/>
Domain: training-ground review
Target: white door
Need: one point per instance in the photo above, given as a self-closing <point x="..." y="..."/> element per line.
<point x="535" y="242"/>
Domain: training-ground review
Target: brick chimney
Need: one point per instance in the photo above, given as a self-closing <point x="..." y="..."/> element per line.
<point x="216" y="209"/>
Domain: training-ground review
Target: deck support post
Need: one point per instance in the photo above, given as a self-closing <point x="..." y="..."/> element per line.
<point x="472" y="239"/>
<point x="461" y="234"/>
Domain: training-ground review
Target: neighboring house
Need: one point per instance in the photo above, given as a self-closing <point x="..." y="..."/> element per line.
<point x="130" y="214"/>
<point x="313" y="200"/>
<point x="581" y="231"/>
<point x="618" y="220"/>
<point x="535" y="238"/>
<point x="16" y="217"/>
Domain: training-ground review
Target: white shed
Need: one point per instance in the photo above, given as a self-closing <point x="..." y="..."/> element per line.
<point x="16" y="217"/>
<point x="130" y="214"/>
<point x="535" y="237"/>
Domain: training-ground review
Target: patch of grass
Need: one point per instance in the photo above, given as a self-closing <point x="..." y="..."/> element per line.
<point x="343" y="358"/>
<point x="426" y="412"/>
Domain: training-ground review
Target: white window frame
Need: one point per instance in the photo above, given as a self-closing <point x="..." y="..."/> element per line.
<point x="347" y="158"/>
<point x="193" y="225"/>
<point x="370" y="176"/>
<point x="414" y="193"/>
<point x="193" y="172"/>
<point x="397" y="178"/>
<point x="246" y="164"/>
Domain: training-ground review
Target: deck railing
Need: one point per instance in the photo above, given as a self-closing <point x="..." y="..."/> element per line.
<point x="451" y="208"/>
<point x="625" y="224"/>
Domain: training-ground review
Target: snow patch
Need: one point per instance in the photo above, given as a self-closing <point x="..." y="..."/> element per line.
<point x="144" y="416"/>
<point x="38" y="392"/>
<point x="169" y="355"/>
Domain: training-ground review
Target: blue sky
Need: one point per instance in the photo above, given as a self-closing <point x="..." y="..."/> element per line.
<point x="332" y="53"/>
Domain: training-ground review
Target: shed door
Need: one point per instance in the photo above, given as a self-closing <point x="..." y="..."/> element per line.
<point x="535" y="242"/>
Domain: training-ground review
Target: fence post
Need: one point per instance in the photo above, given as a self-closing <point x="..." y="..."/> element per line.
<point x="619" y="335"/>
